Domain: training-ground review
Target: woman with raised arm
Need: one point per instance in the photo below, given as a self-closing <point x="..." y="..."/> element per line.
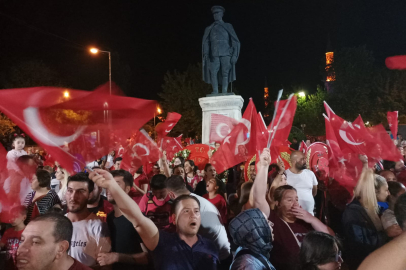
<point x="291" y="222"/>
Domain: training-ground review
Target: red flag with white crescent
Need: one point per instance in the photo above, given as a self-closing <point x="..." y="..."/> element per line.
<point x="220" y="127"/>
<point x="74" y="126"/>
<point x="141" y="151"/>
<point x="162" y="129"/>
<point x="239" y="143"/>
<point x="393" y="123"/>
<point x="171" y="145"/>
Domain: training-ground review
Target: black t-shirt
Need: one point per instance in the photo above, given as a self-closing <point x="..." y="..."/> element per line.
<point x="124" y="239"/>
<point x="201" y="188"/>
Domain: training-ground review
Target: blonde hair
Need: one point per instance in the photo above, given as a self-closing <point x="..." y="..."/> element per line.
<point x="66" y="175"/>
<point x="365" y="192"/>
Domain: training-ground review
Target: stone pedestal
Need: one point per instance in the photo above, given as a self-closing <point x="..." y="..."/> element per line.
<point x="228" y="105"/>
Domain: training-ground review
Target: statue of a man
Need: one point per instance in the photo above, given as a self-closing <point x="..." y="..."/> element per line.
<point x="221" y="49"/>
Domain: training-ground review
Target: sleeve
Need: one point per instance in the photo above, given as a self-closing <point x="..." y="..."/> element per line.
<point x="143" y="203"/>
<point x="223" y="210"/>
<point x="103" y="242"/>
<point x="314" y="179"/>
<point x="213" y="229"/>
<point x="388" y="219"/>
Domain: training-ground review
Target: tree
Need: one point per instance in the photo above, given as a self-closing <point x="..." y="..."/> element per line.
<point x="6" y="125"/>
<point x="310" y="111"/>
<point x="30" y="74"/>
<point x="181" y="91"/>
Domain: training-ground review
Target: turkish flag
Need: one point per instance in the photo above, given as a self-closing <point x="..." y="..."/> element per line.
<point x="281" y="126"/>
<point x="303" y="147"/>
<point x="171" y="145"/>
<point x="220" y="127"/>
<point x="239" y="143"/>
<point x="162" y="129"/>
<point x="393" y="123"/>
<point x="141" y="151"/>
<point x="74" y="125"/>
<point x="396" y="62"/>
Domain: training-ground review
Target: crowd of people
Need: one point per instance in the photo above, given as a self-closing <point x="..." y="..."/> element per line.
<point x="177" y="217"/>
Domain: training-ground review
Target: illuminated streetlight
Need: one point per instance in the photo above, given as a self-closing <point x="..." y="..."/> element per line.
<point x="159" y="110"/>
<point x="66" y="94"/>
<point x="96" y="51"/>
<point x="302" y="94"/>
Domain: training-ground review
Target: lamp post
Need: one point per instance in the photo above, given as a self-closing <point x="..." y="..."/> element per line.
<point x="96" y="51"/>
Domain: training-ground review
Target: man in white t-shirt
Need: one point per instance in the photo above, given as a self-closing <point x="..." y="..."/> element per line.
<point x="303" y="180"/>
<point x="90" y="235"/>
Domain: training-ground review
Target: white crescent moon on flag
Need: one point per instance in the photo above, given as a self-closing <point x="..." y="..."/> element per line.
<point x="143" y="147"/>
<point x="40" y="132"/>
<point x="343" y="135"/>
<point x="170" y="129"/>
<point x="218" y="130"/>
<point x="248" y="125"/>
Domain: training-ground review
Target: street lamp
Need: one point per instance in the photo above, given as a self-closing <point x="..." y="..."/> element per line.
<point x="66" y="94"/>
<point x="96" y="51"/>
<point x="302" y="94"/>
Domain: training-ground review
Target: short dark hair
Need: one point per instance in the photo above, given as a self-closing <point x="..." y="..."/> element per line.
<point x="82" y="177"/>
<point x="63" y="228"/>
<point x="400" y="211"/>
<point x="176" y="202"/>
<point x="44" y="178"/>
<point x="388" y="165"/>
<point x="117" y="159"/>
<point x="176" y="184"/>
<point x="158" y="182"/>
<point x="252" y="163"/>
<point x="127" y="177"/>
<point x="318" y="248"/>
<point x="280" y="191"/>
<point x="395" y="187"/>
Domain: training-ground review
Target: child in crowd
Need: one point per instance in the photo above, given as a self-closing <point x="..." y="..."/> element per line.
<point x="11" y="238"/>
<point x="216" y="188"/>
<point x="18" y="151"/>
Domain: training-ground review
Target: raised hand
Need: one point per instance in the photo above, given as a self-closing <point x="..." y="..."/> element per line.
<point x="265" y="158"/>
<point x="102" y="178"/>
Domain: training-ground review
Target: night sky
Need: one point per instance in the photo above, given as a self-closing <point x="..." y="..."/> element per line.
<point x="282" y="41"/>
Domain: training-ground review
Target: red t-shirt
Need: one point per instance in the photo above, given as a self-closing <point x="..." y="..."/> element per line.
<point x="158" y="211"/>
<point x="285" y="249"/>
<point x="221" y="205"/>
<point x="139" y="181"/>
<point x="78" y="266"/>
<point x="11" y="239"/>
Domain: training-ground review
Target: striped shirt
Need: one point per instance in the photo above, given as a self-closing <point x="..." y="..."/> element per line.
<point x="43" y="205"/>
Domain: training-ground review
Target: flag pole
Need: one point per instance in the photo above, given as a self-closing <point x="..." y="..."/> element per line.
<point x="280" y="119"/>
<point x="274" y="115"/>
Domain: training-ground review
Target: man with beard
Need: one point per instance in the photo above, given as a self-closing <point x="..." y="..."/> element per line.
<point x="90" y="235"/>
<point x="303" y="180"/>
<point x="184" y="249"/>
<point x="128" y="252"/>
<point x="45" y="243"/>
<point x="98" y="204"/>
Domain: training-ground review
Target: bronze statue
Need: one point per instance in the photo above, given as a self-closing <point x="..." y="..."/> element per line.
<point x="221" y="49"/>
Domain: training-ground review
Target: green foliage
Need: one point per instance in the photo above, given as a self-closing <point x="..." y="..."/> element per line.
<point x="181" y="91"/>
<point x="6" y="125"/>
<point x="30" y="74"/>
<point x="310" y="111"/>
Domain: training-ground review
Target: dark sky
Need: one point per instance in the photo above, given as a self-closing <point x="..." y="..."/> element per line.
<point x="283" y="41"/>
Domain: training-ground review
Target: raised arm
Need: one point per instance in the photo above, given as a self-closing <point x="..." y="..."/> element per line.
<point x="258" y="192"/>
<point x="390" y="256"/>
<point x="167" y="171"/>
<point x="145" y="227"/>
